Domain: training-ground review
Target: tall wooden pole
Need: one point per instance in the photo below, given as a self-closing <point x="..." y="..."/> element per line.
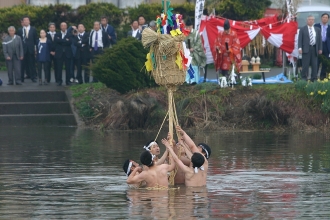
<point x="165" y="7"/>
<point x="170" y="113"/>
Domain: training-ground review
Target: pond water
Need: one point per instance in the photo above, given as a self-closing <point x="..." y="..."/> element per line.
<point x="66" y="173"/>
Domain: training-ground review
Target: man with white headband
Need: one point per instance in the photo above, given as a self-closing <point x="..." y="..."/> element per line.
<point x="155" y="176"/>
<point x="195" y="174"/>
<point x="128" y="167"/>
<point x="202" y="148"/>
<point x="153" y="147"/>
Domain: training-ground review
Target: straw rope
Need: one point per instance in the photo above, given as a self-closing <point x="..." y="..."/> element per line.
<point x="160" y="188"/>
<point x="165" y="49"/>
<point x="165" y="52"/>
<point x="161" y="126"/>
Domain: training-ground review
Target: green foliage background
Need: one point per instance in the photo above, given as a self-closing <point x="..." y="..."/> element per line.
<point x="120" y="67"/>
<point x="239" y="9"/>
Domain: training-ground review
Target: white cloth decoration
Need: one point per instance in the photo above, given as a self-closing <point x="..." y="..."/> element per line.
<point x="129" y="168"/>
<point x="9" y="41"/>
<point x="223" y="82"/>
<point x="196" y="169"/>
<point x="152" y="159"/>
<point x="187" y="54"/>
<point x="263" y="41"/>
<point x="148" y="147"/>
<point x="244" y="82"/>
<point x="232" y="76"/>
<point x="247" y="81"/>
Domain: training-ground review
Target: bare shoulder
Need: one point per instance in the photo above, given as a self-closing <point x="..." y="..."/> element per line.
<point x="143" y="173"/>
<point x="163" y="166"/>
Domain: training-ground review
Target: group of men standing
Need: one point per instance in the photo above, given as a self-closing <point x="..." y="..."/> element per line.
<point x="314" y="40"/>
<point x="70" y="47"/>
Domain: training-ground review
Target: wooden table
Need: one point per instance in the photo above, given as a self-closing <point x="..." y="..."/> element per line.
<point x="260" y="71"/>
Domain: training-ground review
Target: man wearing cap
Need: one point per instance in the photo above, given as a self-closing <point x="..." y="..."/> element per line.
<point x="227" y="50"/>
<point x="194" y="44"/>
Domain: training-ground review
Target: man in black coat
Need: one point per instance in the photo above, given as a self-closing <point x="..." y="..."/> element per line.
<point x="63" y="53"/>
<point x="110" y="30"/>
<point x="98" y="40"/>
<point x="51" y="37"/>
<point x="82" y="54"/>
<point x="325" y="33"/>
<point x="135" y="32"/>
<point x="29" y="38"/>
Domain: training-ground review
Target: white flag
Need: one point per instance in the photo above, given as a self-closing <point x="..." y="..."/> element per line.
<point x="198" y="13"/>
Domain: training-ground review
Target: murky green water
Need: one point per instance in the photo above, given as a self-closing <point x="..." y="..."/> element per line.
<point x="65" y="173"/>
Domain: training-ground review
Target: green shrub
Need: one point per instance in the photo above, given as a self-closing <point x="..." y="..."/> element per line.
<point x="317" y="91"/>
<point x="241" y="10"/>
<point x="256" y="76"/>
<point x="121" y="67"/>
<point x="150" y="11"/>
<point x="89" y="13"/>
<point x="40" y="16"/>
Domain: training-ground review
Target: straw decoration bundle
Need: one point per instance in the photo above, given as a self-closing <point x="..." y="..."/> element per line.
<point x="167" y="59"/>
<point x="165" y="49"/>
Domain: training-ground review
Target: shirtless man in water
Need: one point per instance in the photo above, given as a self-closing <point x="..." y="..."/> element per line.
<point x="189" y="147"/>
<point x="155" y="175"/>
<point x="195" y="174"/>
<point x="154" y="149"/>
<point x="128" y="168"/>
<point x="201" y="147"/>
<point x="181" y="153"/>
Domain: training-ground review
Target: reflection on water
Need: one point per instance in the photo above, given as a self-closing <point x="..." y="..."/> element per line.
<point x="70" y="173"/>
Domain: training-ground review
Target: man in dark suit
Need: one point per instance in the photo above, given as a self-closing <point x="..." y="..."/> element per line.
<point x="98" y="40"/>
<point x="310" y="45"/>
<point x="51" y="37"/>
<point x="63" y="53"/>
<point x="29" y="37"/>
<point x="135" y="32"/>
<point x="325" y="33"/>
<point x="109" y="30"/>
<point x="82" y="54"/>
<point x="142" y="23"/>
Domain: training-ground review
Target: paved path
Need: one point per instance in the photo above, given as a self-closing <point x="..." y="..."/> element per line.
<point x="211" y="74"/>
<point x="28" y="85"/>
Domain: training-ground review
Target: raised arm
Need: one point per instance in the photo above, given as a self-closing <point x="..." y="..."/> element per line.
<point x="163" y="158"/>
<point x="187" y="139"/>
<point x="174" y="157"/>
<point x="186" y="148"/>
<point x="133" y="178"/>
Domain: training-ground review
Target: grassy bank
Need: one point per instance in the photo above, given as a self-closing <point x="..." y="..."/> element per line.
<point x="299" y="106"/>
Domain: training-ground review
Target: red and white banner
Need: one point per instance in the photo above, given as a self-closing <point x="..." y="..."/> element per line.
<point x="281" y="35"/>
